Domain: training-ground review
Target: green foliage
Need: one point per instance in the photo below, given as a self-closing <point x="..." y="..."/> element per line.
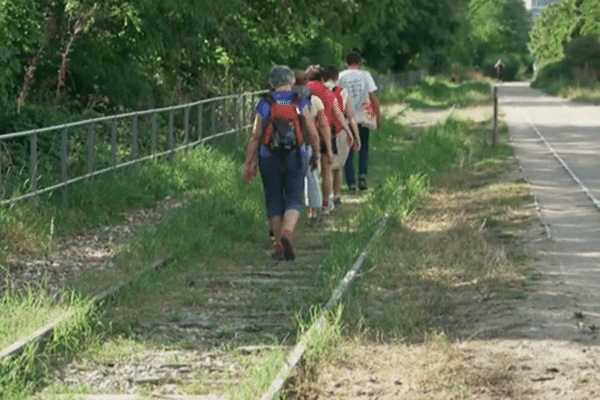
<point x="584" y="52"/>
<point x="432" y="92"/>
<point x="550" y="31"/>
<point x="553" y="70"/>
<point x="133" y="54"/>
<point x="497" y="27"/>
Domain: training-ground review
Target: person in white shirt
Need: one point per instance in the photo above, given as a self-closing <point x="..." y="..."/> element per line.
<point x="345" y="141"/>
<point x="361" y="87"/>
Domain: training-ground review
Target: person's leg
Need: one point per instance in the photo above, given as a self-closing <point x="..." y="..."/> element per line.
<point x="363" y="157"/>
<point x="293" y="189"/>
<point x="337" y="173"/>
<point x="272" y="179"/>
<point x="349" y="171"/>
<point x="326" y="181"/>
<point x="313" y="192"/>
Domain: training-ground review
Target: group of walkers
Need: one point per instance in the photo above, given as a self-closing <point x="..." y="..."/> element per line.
<point x="304" y="136"/>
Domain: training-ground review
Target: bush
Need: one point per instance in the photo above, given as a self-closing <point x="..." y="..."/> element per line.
<point x="554" y="70"/>
<point x="583" y="53"/>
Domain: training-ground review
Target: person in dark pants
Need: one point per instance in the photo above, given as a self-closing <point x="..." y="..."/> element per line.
<point x="499" y="67"/>
<point x="281" y="166"/>
<point x="361" y="87"/>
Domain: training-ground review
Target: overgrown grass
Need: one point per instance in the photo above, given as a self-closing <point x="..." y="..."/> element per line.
<point x="220" y="227"/>
<point x="24" y="312"/>
<point x="22" y="374"/>
<point x="450" y="242"/>
<point x="431" y="92"/>
<point x="582" y="90"/>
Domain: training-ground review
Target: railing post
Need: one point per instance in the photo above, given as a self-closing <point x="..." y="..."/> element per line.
<point x="213" y="119"/>
<point x="495" y="132"/>
<point x="200" y="121"/>
<point x="154" y="132"/>
<point x="134" y="138"/>
<point x="113" y="143"/>
<point x="90" y="148"/>
<point x="171" y="130"/>
<point x="33" y="162"/>
<point x="63" y="164"/>
<point x="239" y="117"/>
<point x="1" y="185"/>
<point x="186" y="126"/>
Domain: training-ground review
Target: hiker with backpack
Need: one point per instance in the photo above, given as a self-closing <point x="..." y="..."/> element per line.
<point x="312" y="185"/>
<point x="334" y="115"/>
<point x="276" y="149"/>
<point x="345" y="140"/>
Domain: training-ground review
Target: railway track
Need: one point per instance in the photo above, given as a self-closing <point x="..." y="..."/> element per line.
<point x="217" y="342"/>
<point x="212" y="346"/>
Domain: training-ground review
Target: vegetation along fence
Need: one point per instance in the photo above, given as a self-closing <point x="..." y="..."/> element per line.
<point x="72" y="152"/>
<point x="402" y="79"/>
<point x="64" y="154"/>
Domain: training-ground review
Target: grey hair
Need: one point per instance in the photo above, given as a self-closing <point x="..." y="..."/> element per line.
<point x="281" y="75"/>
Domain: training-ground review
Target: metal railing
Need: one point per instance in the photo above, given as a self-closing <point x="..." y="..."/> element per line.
<point x="402" y="79"/>
<point x="72" y="152"/>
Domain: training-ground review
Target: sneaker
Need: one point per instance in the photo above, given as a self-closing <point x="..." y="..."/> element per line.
<point x="315" y="221"/>
<point x="278" y="252"/>
<point x="353" y="188"/>
<point x="362" y="184"/>
<point x="328" y="208"/>
<point x="337" y="201"/>
<point x="288" y="249"/>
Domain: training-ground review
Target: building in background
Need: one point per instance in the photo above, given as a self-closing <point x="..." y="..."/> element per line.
<point x="535" y="7"/>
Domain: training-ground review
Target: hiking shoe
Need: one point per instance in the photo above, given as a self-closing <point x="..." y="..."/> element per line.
<point x="315" y="221"/>
<point x="362" y="184"/>
<point x="288" y="250"/>
<point x="328" y="208"/>
<point x="337" y="201"/>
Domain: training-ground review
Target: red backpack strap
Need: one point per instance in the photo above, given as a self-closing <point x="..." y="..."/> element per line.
<point x="267" y="126"/>
<point x="298" y="113"/>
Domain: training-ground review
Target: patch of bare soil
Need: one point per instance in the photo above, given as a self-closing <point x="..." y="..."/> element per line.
<point x="76" y="254"/>
<point x="538" y="347"/>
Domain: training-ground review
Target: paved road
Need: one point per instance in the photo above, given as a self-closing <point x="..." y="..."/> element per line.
<point x="571" y="256"/>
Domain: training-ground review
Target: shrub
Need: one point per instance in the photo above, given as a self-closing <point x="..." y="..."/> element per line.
<point x="584" y="53"/>
<point x="554" y="70"/>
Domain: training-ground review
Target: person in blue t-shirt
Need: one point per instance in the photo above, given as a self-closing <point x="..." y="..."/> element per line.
<point x="282" y="171"/>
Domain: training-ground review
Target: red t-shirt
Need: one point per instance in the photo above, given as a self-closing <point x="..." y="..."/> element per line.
<point x="328" y="98"/>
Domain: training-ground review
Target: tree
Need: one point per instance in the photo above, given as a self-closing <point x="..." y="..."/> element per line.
<point x="497" y="27"/>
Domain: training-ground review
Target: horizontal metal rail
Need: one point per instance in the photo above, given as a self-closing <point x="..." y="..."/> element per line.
<point x="126" y="115"/>
<point x="104" y="144"/>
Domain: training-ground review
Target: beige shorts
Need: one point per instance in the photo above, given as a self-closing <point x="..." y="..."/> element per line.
<point x="343" y="149"/>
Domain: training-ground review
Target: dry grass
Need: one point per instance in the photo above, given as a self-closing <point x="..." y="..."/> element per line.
<point x="459" y="241"/>
<point x="433" y="369"/>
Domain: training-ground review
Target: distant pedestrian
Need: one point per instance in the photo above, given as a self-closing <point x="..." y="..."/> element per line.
<point x="499" y="67"/>
<point x="275" y="148"/>
<point x="365" y="104"/>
